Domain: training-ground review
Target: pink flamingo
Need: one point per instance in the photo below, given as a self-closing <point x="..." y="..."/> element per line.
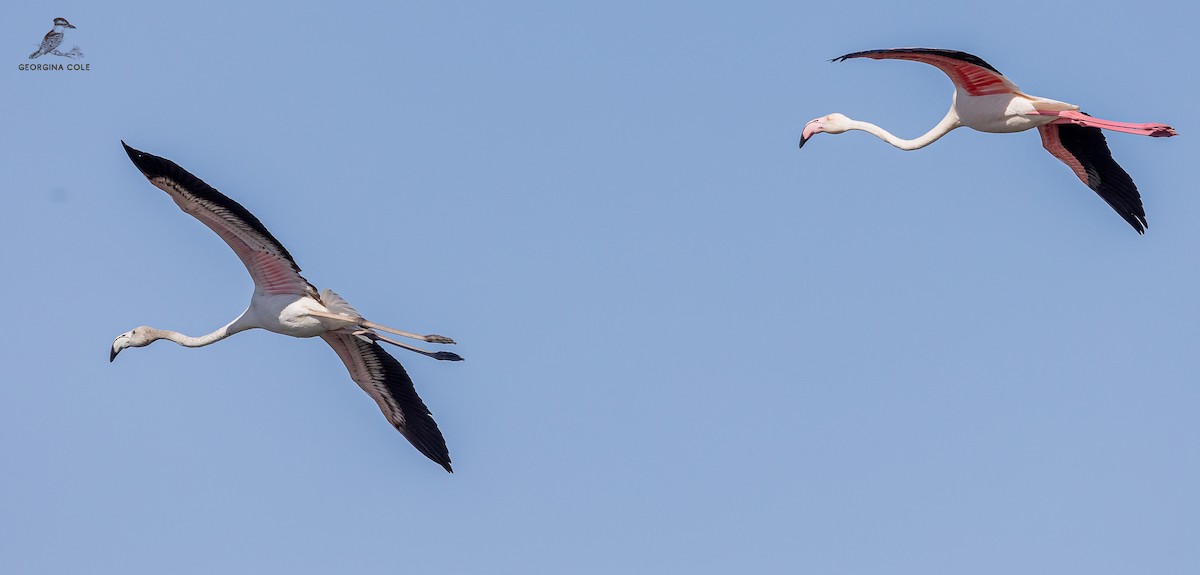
<point x="987" y="101"/>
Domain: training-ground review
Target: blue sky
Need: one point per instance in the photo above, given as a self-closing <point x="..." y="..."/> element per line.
<point x="690" y="346"/>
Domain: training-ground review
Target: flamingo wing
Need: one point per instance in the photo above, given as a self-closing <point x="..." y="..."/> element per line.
<point x="384" y="379"/>
<point x="1086" y="152"/>
<point x="269" y="263"/>
<point x="969" y="72"/>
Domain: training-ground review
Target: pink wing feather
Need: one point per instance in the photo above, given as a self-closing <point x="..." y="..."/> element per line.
<point x="976" y="77"/>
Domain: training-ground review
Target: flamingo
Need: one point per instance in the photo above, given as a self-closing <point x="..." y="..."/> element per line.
<point x="987" y="101"/>
<point x="285" y="303"/>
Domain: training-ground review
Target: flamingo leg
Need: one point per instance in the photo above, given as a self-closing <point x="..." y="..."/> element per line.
<point x="440" y="355"/>
<point x="431" y="338"/>
<point x="1080" y="119"/>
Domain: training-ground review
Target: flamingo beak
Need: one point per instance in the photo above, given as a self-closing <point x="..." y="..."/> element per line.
<point x="118" y="344"/>
<point x="811" y="128"/>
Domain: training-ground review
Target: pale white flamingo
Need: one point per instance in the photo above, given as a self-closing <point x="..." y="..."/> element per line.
<point x="987" y="101"/>
<point x="284" y="302"/>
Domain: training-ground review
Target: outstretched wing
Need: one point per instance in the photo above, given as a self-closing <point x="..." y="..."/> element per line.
<point x="969" y="72"/>
<point x="269" y="263"/>
<point x="384" y="379"/>
<point x="1085" y="151"/>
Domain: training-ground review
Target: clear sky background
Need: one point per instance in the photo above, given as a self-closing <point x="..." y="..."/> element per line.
<point x="691" y="347"/>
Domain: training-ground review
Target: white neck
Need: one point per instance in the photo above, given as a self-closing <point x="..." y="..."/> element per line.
<point x="221" y="333"/>
<point x="948" y="123"/>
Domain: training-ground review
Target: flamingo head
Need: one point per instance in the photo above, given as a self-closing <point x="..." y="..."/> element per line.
<point x="137" y="337"/>
<point x="834" y="123"/>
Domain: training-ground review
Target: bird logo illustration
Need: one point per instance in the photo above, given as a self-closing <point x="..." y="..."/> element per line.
<point x="52" y="40"/>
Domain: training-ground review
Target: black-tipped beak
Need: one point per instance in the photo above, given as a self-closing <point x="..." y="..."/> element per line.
<point x="812" y="128"/>
<point x="112" y="354"/>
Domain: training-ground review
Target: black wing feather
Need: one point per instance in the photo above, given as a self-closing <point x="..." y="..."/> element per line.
<point x="1105" y="176"/>
<point x="955" y="54"/>
<point x="154" y="167"/>
<point x="394" y="391"/>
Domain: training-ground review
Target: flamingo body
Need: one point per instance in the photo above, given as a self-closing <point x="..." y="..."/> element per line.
<point x="997" y="113"/>
<point x="986" y="101"/>
<point x="288" y="314"/>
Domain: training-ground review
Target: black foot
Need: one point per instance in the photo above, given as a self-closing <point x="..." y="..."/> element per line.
<point x="447" y="356"/>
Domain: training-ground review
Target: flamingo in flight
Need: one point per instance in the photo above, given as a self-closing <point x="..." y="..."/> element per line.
<point x="285" y="303"/>
<point x="987" y="101"/>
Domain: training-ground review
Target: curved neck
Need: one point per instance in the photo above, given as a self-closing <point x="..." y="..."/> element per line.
<point x="221" y="333"/>
<point x="948" y="123"/>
